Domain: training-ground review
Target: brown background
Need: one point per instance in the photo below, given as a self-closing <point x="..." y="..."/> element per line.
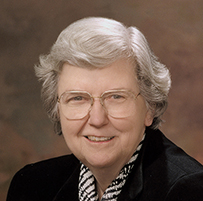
<point x="28" y="28"/>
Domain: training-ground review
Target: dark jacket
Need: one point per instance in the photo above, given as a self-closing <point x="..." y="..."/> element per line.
<point x="163" y="172"/>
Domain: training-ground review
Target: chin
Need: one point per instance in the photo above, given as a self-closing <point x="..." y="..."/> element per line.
<point x="99" y="162"/>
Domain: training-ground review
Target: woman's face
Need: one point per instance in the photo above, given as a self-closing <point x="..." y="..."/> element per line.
<point x="124" y="133"/>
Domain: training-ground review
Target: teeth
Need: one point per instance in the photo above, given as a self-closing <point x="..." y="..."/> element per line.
<point x="99" y="139"/>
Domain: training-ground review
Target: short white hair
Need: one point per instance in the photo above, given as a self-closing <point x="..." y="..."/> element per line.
<point x="98" y="42"/>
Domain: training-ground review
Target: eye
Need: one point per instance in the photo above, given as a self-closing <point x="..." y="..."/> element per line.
<point x="75" y="98"/>
<point x="117" y="96"/>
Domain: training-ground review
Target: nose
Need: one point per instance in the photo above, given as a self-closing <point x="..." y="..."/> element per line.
<point x="97" y="115"/>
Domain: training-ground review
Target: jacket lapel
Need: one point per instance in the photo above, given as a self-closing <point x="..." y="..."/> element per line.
<point x="134" y="184"/>
<point x="69" y="191"/>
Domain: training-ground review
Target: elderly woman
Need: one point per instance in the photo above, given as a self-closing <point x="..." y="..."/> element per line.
<point x="105" y="91"/>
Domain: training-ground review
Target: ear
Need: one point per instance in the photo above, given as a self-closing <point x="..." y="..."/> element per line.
<point x="148" y="118"/>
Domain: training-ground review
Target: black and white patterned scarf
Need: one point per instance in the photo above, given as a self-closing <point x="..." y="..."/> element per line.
<point x="87" y="183"/>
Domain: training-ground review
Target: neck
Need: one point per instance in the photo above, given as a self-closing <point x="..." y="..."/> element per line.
<point x="104" y="177"/>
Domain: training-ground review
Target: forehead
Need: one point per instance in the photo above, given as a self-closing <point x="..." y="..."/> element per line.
<point x="120" y="74"/>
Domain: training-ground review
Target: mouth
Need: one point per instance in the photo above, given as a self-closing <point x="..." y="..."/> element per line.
<point x="99" y="139"/>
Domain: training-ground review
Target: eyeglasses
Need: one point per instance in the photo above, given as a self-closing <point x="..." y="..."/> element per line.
<point x="76" y="105"/>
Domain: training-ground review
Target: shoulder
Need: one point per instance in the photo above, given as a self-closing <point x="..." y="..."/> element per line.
<point x="160" y="149"/>
<point x="187" y="187"/>
<point x="66" y="162"/>
<point x="42" y="179"/>
<point x="50" y="168"/>
<point x="169" y="171"/>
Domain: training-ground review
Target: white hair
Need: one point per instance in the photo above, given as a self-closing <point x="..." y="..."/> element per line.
<point x="97" y="42"/>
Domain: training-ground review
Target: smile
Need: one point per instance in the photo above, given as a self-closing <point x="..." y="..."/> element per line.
<point x="98" y="139"/>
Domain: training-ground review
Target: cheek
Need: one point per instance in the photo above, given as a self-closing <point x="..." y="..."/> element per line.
<point x="70" y="132"/>
<point x="70" y="129"/>
<point x="130" y="135"/>
<point x="122" y="125"/>
<point x="131" y="129"/>
<point x="128" y="128"/>
<point x="67" y="131"/>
